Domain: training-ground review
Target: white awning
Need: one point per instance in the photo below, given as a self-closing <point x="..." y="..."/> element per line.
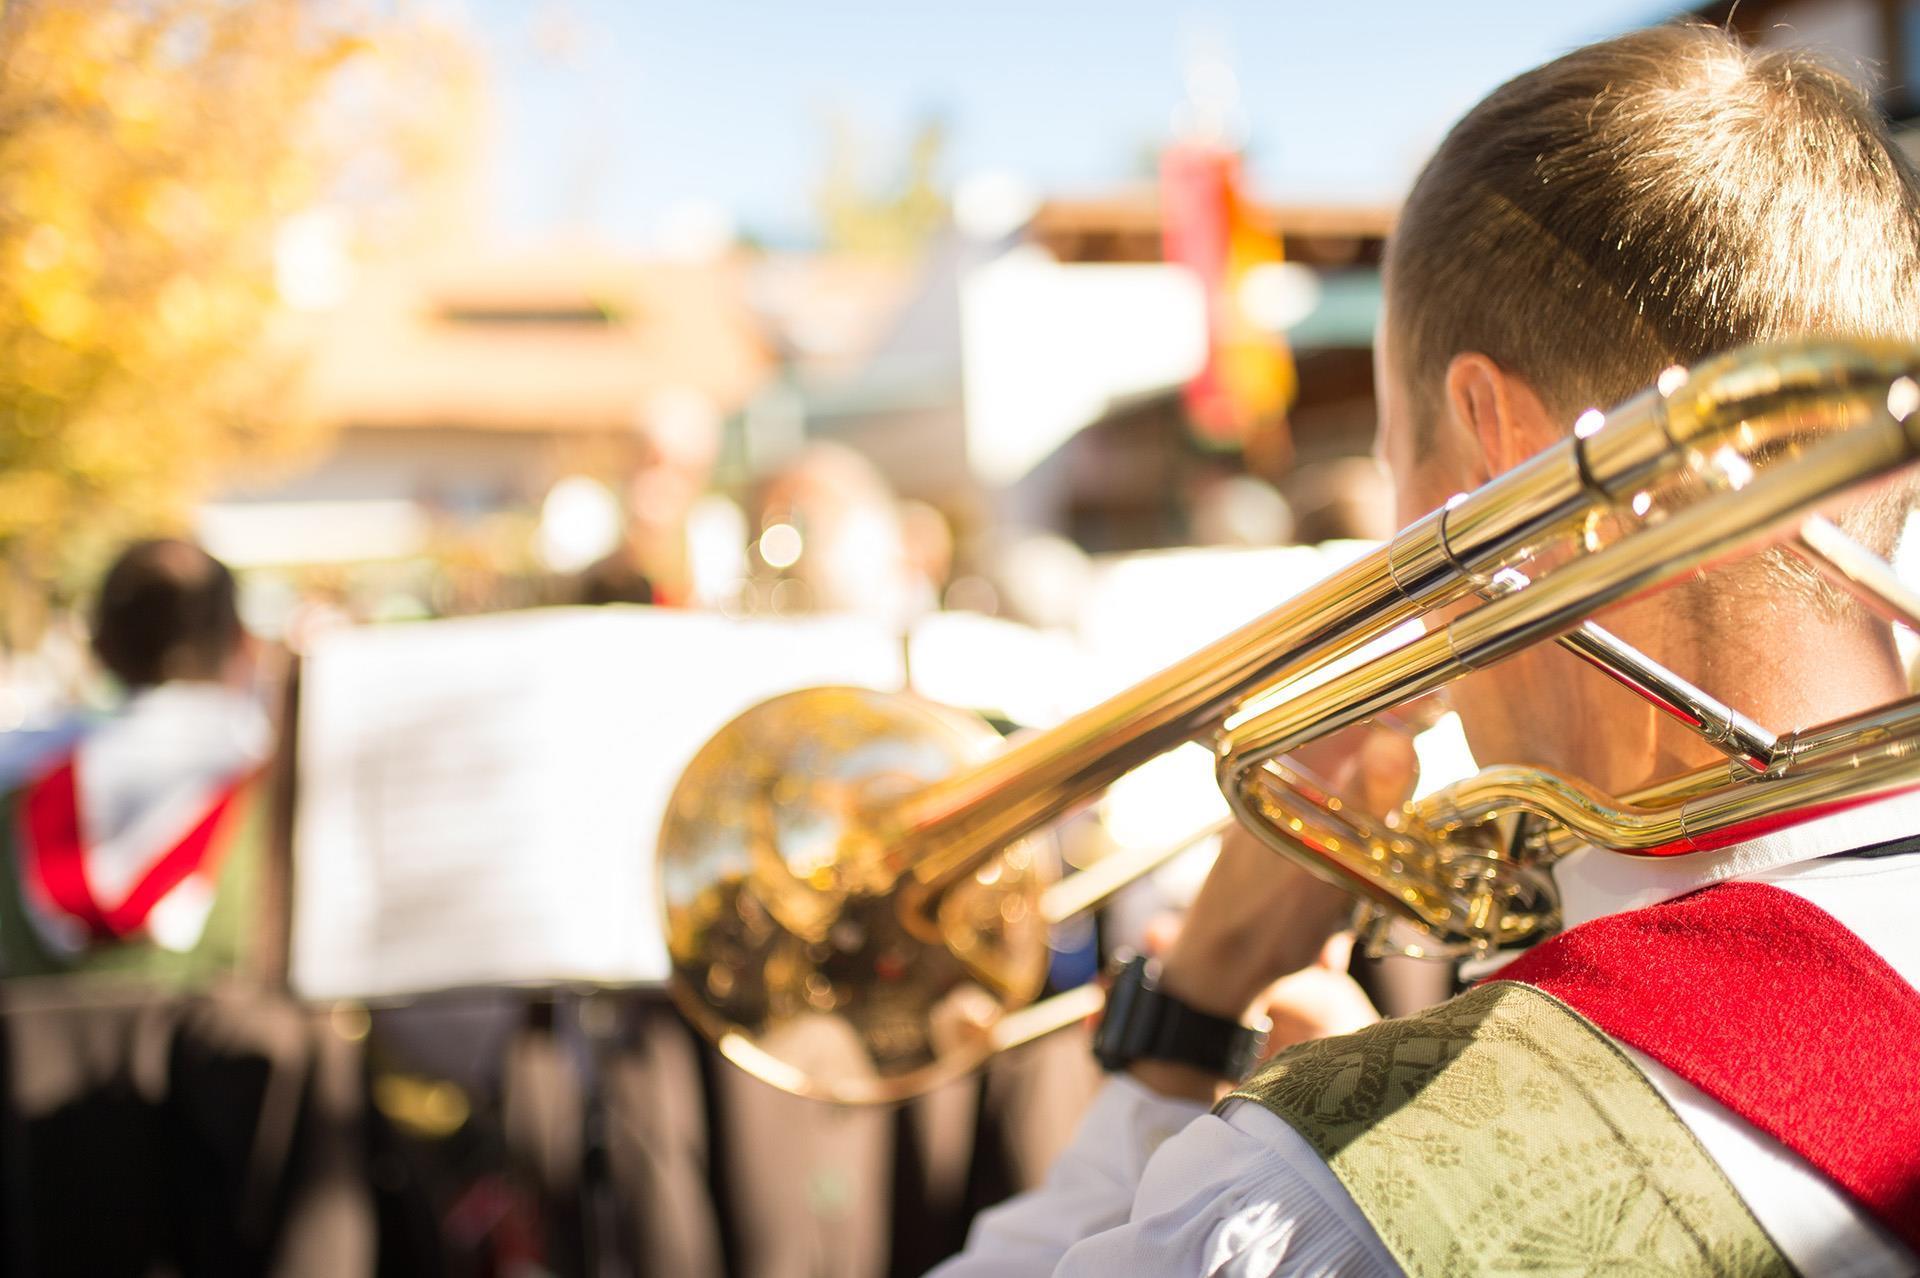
<point x="275" y="533"/>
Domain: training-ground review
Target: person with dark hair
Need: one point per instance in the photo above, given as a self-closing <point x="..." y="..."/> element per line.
<point x="167" y="610"/>
<point x="164" y="1106"/>
<point x="1713" y="1070"/>
<point x="130" y="850"/>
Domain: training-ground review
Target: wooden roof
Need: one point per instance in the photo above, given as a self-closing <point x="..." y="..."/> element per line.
<point x="1126" y="228"/>
<point x="561" y="341"/>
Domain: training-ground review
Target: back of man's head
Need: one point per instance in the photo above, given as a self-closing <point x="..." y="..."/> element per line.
<point x="1649" y="201"/>
<point x="166" y="611"/>
<point x="1653" y="200"/>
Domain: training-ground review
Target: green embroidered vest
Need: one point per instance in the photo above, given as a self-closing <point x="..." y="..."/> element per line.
<point x="1500" y="1133"/>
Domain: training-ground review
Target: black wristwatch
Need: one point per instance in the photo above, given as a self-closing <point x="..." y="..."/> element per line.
<point x="1143" y="1023"/>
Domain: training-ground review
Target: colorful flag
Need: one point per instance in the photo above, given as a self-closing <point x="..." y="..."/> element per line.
<point x="1248" y="380"/>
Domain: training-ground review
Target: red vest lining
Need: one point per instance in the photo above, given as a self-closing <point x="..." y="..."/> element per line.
<point x="1769" y="1005"/>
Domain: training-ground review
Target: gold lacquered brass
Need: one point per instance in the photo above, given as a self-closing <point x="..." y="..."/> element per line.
<point x="855" y="909"/>
<point x="791" y="945"/>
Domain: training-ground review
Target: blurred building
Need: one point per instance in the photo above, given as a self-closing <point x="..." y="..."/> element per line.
<point x="469" y="385"/>
<point x="1025" y="372"/>
<point x="1127" y="479"/>
<point x="827" y="318"/>
<point x="1032" y="377"/>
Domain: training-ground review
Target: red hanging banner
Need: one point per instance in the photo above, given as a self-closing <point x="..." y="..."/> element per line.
<point x="1248" y="380"/>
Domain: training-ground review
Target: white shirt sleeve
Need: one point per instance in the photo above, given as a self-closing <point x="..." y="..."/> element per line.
<point x="1242" y="1195"/>
<point x="1153" y="1186"/>
<point x="1090" y="1188"/>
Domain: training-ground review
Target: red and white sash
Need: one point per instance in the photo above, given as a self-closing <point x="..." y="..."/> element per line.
<point x="56" y="857"/>
<point x="1773" y="1008"/>
<point x="123" y="834"/>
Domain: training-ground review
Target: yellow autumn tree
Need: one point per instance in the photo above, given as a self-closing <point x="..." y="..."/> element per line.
<point x="151" y="152"/>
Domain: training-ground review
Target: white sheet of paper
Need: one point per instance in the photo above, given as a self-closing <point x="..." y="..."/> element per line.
<point x="478" y="798"/>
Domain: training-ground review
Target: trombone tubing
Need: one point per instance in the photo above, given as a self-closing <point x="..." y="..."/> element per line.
<point x="1702" y="533"/>
<point x="1716" y="819"/>
<point x="944" y="831"/>
<point x="1865" y="746"/>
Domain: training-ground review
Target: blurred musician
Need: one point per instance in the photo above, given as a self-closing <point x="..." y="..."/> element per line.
<point x="133" y="849"/>
<point x="164" y="1109"/>
<point x="1749" y="1108"/>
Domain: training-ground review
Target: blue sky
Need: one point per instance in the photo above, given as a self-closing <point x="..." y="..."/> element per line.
<point x="615" y="116"/>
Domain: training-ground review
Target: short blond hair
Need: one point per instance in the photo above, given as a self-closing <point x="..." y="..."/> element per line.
<point x="1652" y="200"/>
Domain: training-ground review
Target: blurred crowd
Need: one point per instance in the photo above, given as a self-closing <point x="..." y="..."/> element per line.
<point x="822" y="533"/>
<point x="146" y="902"/>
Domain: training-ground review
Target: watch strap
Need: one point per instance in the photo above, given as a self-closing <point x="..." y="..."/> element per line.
<point x="1143" y="1022"/>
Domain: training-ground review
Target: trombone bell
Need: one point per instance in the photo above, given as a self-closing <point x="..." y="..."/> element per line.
<point x="796" y="946"/>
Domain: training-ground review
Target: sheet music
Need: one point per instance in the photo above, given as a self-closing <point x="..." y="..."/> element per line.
<point x="478" y="798"/>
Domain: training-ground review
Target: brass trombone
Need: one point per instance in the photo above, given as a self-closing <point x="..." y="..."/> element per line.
<point x="855" y="906"/>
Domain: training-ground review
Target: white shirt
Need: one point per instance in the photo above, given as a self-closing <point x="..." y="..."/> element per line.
<point x="1155" y="1187"/>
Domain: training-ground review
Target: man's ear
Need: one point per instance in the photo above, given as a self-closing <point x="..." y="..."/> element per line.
<point x="1498" y="412"/>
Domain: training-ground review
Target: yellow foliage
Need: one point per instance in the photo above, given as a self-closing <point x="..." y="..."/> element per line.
<point x="150" y="152"/>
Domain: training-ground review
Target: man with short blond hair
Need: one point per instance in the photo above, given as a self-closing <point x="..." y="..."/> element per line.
<point x="1636" y="204"/>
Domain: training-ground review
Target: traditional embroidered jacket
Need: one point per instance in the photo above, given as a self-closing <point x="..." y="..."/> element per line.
<point x="1506" y="1131"/>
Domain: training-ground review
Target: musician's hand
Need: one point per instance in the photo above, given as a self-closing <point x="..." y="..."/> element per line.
<point x="1318" y="1001"/>
<point x="1259" y="916"/>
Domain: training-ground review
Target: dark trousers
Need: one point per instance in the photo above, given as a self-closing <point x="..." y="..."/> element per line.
<point x="149" y="1133"/>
